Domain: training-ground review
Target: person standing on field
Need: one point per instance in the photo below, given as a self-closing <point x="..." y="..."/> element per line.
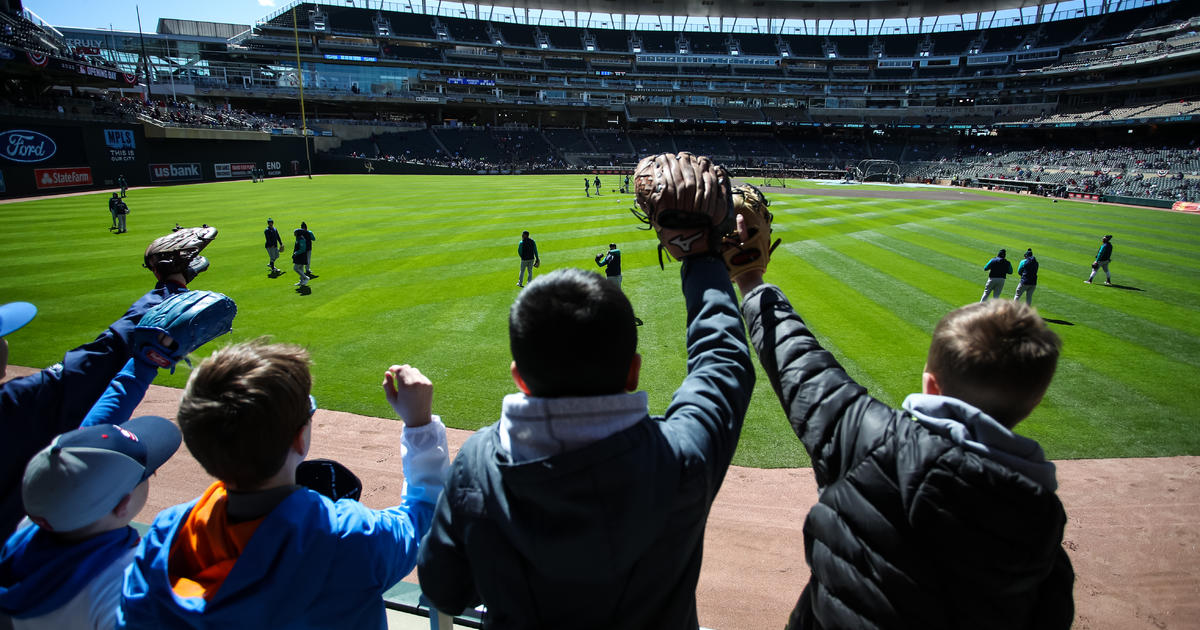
<point x="1103" y="256"/>
<point x="527" y="251"/>
<point x="123" y="184"/>
<point x="274" y="244"/>
<point x="611" y="261"/>
<point x="309" y="237"/>
<point x="299" y="255"/>
<point x="596" y="184"/>
<point x="1027" y="270"/>
<point x="998" y="269"/>
<point x="586" y="186"/>
<point x="114" y="208"/>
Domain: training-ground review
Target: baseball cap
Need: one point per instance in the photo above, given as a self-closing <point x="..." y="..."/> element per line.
<point x="83" y="474"/>
<point x="270" y="220"/>
<point x="1029" y="253"/>
<point x="14" y="315"/>
<point x="1002" y="252"/>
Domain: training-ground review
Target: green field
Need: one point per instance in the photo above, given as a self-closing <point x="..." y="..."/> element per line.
<point x="422" y="270"/>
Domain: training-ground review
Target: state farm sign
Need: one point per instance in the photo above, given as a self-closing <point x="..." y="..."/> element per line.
<point x="22" y="145"/>
<point x="188" y="171"/>
<point x="62" y="177"/>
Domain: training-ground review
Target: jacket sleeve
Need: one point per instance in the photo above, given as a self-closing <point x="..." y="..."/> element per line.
<point x="35" y="408"/>
<point x="124" y="392"/>
<point x="424" y="457"/>
<point x="835" y="418"/>
<point x="710" y="405"/>
<point x="444" y="569"/>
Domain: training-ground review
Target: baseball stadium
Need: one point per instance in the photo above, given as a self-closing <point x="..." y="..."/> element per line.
<point x="415" y="169"/>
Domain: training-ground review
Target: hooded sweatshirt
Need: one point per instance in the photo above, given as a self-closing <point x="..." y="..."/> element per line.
<point x="586" y="512"/>
<point x="46" y="582"/>
<point x="309" y="563"/>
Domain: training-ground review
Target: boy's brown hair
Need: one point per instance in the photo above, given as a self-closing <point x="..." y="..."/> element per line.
<point x="997" y="355"/>
<point x="243" y="407"/>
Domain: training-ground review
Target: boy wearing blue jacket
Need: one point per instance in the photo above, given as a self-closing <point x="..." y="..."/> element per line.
<point x="256" y="550"/>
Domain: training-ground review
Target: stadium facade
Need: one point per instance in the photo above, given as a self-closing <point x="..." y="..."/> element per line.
<point x="1101" y="99"/>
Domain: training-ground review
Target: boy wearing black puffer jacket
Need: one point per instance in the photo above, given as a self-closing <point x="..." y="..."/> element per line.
<point x="934" y="515"/>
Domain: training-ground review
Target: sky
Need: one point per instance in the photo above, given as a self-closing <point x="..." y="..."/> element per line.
<point x="122" y="14"/>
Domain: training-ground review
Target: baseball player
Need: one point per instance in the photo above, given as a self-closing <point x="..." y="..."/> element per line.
<point x="114" y="205"/>
<point x="1103" y="257"/>
<point x="587" y="186"/>
<point x="596" y="184"/>
<point x="274" y="244"/>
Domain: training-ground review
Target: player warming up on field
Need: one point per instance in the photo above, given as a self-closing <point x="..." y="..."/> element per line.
<point x="998" y="269"/>
<point x="256" y="550"/>
<point x="578" y="509"/>
<point x="528" y="253"/>
<point x="1103" y="257"/>
<point x="274" y="244"/>
<point x="934" y="515"/>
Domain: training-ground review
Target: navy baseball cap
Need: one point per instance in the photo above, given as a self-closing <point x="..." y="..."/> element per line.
<point x="14" y="315"/>
<point x="83" y="474"/>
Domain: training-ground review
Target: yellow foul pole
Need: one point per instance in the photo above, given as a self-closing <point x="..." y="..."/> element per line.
<point x="300" y="82"/>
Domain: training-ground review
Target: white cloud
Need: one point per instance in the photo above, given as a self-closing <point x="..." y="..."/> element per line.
<point x="266" y="3"/>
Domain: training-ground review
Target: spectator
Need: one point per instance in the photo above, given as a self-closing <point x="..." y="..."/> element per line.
<point x="578" y="509"/>
<point x="36" y="408"/>
<point x="935" y="515"/>
<point x="81" y="492"/>
<point x="256" y="550"/>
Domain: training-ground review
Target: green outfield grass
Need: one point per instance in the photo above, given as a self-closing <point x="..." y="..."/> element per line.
<point x="422" y="270"/>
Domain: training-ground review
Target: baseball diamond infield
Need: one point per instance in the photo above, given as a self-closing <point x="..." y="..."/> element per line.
<point x="1133" y="529"/>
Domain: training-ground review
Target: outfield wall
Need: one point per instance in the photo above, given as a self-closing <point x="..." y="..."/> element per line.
<point x="44" y="156"/>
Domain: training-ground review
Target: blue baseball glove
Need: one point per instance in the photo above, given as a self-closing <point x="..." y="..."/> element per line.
<point x="185" y="321"/>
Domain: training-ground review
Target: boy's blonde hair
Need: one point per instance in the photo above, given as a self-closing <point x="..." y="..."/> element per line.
<point x="997" y="355"/>
<point x="243" y="407"/>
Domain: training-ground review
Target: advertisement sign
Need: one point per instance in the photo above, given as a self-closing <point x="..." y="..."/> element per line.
<point x="274" y="168"/>
<point x="23" y="145"/>
<point x="120" y="143"/>
<point x="183" y="172"/>
<point x="226" y="170"/>
<point x="1179" y="206"/>
<point x="62" y="177"/>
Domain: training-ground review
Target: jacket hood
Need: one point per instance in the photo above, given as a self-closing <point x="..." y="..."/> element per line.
<point x="974" y="430"/>
<point x="593" y="503"/>
<point x="39" y="573"/>
<point x="290" y="561"/>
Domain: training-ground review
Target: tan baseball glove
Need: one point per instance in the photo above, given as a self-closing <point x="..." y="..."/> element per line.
<point x="755" y="251"/>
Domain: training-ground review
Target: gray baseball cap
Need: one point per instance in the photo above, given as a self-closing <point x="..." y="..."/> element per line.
<point x="83" y="474"/>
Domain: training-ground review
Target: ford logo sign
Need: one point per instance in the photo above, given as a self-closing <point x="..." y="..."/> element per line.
<point x="22" y="145"/>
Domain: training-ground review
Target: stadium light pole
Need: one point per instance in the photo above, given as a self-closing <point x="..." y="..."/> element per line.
<point x="300" y="82"/>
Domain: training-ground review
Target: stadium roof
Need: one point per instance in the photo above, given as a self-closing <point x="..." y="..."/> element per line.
<point x="781" y="9"/>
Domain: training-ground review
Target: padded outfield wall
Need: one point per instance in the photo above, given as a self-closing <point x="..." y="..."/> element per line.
<point x="40" y="156"/>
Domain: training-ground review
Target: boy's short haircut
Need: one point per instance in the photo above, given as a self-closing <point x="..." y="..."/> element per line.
<point x="997" y="355"/>
<point x="243" y="407"/>
<point x="572" y="333"/>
